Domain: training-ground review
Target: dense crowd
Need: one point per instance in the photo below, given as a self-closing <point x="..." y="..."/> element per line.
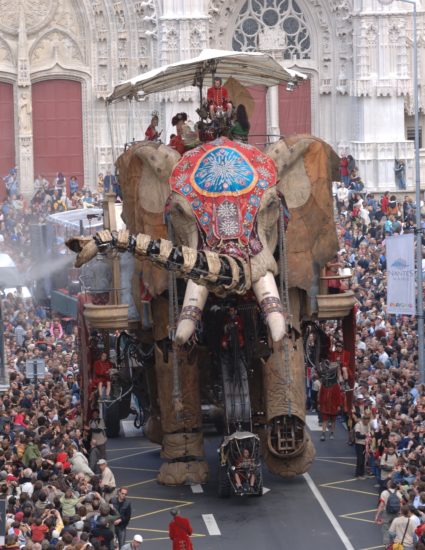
<point x="58" y="489"/>
<point x="55" y="482"/>
<point x="387" y="421"/>
<point x="50" y="197"/>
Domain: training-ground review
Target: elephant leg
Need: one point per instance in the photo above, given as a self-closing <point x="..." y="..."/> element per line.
<point x="182" y="443"/>
<point x="287" y="447"/>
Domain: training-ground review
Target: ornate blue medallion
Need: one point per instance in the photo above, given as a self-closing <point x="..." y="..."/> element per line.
<point x="223" y="171"/>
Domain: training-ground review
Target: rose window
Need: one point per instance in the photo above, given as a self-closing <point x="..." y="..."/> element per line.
<point x="285" y="17"/>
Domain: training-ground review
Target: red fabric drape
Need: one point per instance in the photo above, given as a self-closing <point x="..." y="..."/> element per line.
<point x="85" y="356"/>
<point x="349" y="336"/>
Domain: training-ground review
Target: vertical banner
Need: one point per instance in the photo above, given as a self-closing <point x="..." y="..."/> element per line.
<point x="2" y="521"/>
<point x="401" y="274"/>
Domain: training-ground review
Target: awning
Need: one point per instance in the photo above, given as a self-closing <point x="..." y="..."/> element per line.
<point x="90" y="217"/>
<point x="250" y="69"/>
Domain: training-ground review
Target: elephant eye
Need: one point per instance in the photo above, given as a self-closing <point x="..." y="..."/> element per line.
<point x="272" y="203"/>
<point x="178" y="209"/>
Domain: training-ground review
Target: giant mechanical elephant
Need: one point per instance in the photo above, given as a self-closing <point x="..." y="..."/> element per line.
<point x="224" y="203"/>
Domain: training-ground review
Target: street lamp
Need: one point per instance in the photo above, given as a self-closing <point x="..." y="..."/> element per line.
<point x="419" y="278"/>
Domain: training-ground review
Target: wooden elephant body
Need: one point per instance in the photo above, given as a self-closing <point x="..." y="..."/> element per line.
<point x="247" y="227"/>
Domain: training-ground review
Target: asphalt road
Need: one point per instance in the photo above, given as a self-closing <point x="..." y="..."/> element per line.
<point x="326" y="509"/>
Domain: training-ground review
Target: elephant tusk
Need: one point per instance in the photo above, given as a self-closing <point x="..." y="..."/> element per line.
<point x="193" y="305"/>
<point x="267" y="294"/>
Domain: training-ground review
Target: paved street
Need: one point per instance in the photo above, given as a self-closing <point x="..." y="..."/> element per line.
<point x="288" y="516"/>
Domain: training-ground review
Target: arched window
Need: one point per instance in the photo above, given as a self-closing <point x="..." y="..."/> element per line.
<point x="282" y="15"/>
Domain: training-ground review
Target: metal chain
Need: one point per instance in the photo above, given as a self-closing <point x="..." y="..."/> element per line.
<point x="284" y="298"/>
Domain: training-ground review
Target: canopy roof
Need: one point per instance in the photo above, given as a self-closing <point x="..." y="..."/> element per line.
<point x="91" y="218"/>
<point x="239" y="436"/>
<point x="250" y="68"/>
<point x="9" y="273"/>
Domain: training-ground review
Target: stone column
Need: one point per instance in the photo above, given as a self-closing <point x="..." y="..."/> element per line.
<point x="273" y="42"/>
<point x="25" y="153"/>
<point x="25" y="142"/>
<point x="272" y="109"/>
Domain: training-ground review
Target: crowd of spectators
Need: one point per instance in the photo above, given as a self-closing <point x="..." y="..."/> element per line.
<point x="50" y="197"/>
<point x="52" y="466"/>
<point x="55" y="483"/>
<point x="58" y="489"/>
<point x="387" y="421"/>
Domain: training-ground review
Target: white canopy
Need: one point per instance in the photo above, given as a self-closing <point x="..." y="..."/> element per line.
<point x="250" y="68"/>
<point x="239" y="436"/>
<point x="91" y="218"/>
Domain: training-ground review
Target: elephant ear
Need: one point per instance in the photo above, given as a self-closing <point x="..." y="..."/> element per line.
<point x="144" y="171"/>
<point x="306" y="168"/>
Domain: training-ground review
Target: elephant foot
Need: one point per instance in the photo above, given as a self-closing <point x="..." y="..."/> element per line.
<point x="290" y="467"/>
<point x="287" y="448"/>
<point x="185" y="454"/>
<point x="153" y="430"/>
<point x="183" y="473"/>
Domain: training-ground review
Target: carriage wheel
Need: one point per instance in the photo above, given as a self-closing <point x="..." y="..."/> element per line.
<point x="224" y="486"/>
<point x="112" y="420"/>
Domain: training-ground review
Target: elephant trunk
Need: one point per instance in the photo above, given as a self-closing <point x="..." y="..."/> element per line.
<point x="220" y="273"/>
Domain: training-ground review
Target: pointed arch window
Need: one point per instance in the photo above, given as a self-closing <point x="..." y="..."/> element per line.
<point x="284" y="16"/>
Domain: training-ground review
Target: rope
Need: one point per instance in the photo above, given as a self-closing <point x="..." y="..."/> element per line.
<point x="173" y="313"/>
<point x="284" y="298"/>
<point x="108" y="113"/>
<point x="129" y="120"/>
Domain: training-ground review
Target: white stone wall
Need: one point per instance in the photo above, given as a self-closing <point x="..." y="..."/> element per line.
<point x="359" y="62"/>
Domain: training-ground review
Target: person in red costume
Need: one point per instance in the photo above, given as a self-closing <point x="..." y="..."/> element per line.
<point x="152" y="133"/>
<point x="332" y="372"/>
<point x="233" y="322"/>
<point x="101" y="377"/>
<point x="177" y="140"/>
<point x="218" y="99"/>
<point x="180" y="531"/>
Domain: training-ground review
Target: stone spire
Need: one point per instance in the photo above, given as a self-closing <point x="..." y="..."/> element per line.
<point x="23" y="58"/>
<point x="25" y="154"/>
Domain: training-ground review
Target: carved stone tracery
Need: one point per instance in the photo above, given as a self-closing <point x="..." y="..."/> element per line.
<point x="6" y="56"/>
<point x="57" y="45"/>
<point x="37" y="14"/>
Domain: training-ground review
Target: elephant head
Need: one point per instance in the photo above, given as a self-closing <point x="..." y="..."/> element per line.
<point x="224" y="208"/>
<point x="224" y="200"/>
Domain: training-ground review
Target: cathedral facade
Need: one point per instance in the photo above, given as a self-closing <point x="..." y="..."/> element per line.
<point x="60" y="59"/>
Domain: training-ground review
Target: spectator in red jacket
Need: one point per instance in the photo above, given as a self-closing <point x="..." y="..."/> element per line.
<point x="343" y="170"/>
<point x="385" y="200"/>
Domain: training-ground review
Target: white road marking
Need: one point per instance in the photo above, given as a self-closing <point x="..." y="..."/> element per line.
<point x="133" y="454"/>
<point x="265" y="490"/>
<point x="335" y="523"/>
<point x="211" y="524"/>
<point x="312" y="423"/>
<point x="196" y="488"/>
